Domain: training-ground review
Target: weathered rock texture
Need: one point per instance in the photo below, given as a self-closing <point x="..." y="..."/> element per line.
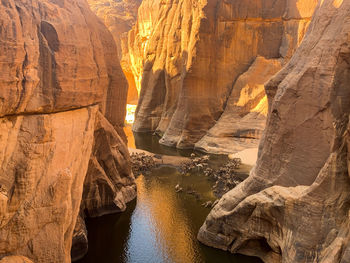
<point x="109" y="183"/>
<point x="58" y="69"/>
<point x="15" y="259"/>
<point x="243" y="121"/>
<point x="186" y="58"/>
<point x="80" y="239"/>
<point x="119" y="16"/>
<point x="44" y="159"/>
<point x="294" y="207"/>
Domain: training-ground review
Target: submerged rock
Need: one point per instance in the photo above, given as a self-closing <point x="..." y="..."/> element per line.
<point x="294" y="207"/>
<point x="109" y="183"/>
<point x="208" y="204"/>
<point x="178" y="188"/>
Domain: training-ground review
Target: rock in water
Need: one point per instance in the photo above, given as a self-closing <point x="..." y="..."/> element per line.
<point x="142" y="163"/>
<point x="188" y="60"/>
<point x="294" y="207"/>
<point x="208" y="204"/>
<point x="178" y="188"/>
<point x="109" y="183"/>
<point x="80" y="240"/>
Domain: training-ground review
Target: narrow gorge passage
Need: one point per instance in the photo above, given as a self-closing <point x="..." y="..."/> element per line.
<point x="174" y="131"/>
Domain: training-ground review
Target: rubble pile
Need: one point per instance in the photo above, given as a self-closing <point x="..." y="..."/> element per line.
<point x="225" y="176"/>
<point x="142" y="163"/>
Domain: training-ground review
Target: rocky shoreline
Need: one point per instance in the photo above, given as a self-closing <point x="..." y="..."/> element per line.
<point x="224" y="178"/>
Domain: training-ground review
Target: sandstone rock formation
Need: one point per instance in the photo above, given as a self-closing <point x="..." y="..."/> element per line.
<point x="187" y="57"/>
<point x="109" y="183"/>
<point x="80" y="239"/>
<point x="294" y="207"/>
<point x="15" y="259"/>
<point x="243" y="121"/>
<point x="44" y="160"/>
<point x="119" y="16"/>
<point x="58" y="69"/>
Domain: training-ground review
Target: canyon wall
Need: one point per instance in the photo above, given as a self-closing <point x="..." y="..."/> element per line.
<point x="294" y="206"/>
<point x="61" y="90"/>
<point x="187" y="58"/>
<point x="119" y="17"/>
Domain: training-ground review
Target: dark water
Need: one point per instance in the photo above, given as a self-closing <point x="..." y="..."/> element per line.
<point x="149" y="142"/>
<point x="161" y="226"/>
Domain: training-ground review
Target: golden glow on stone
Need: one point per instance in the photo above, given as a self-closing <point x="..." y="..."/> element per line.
<point x="130" y="113"/>
<point x="337" y="3"/>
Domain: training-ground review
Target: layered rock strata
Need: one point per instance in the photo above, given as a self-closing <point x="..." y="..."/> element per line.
<point x="109" y="183"/>
<point x="119" y="17"/>
<point x="187" y="58"/>
<point x="59" y="73"/>
<point x="243" y="121"/>
<point x="294" y="207"/>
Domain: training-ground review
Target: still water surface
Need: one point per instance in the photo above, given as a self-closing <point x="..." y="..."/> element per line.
<point x="161" y="226"/>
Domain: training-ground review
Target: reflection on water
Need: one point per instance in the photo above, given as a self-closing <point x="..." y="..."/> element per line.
<point x="162" y="227"/>
<point x="150" y="142"/>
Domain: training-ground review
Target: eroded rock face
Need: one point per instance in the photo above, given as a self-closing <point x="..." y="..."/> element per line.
<point x="243" y="121"/>
<point x="109" y="183"/>
<point x="294" y="205"/>
<point x="53" y="61"/>
<point x="80" y="244"/>
<point x="44" y="160"/>
<point x="59" y="73"/>
<point x="186" y="58"/>
<point x="119" y="17"/>
<point x="15" y="259"/>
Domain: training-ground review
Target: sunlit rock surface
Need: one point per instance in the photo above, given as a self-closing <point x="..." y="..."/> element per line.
<point x="294" y="207"/>
<point x="15" y="259"/>
<point x="119" y="16"/>
<point x="59" y="72"/>
<point x="186" y="59"/>
<point x="44" y="159"/>
<point x="243" y="121"/>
